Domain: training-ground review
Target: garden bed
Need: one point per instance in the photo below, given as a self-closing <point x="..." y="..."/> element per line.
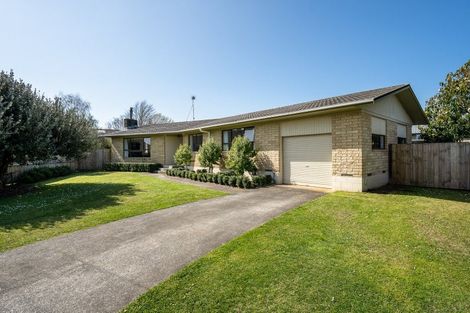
<point x="223" y="178"/>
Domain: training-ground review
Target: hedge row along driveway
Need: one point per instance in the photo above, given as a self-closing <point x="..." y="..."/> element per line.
<point x="84" y="200"/>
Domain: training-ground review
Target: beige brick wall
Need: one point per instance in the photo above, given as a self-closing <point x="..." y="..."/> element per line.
<point x="157" y="150"/>
<point x="117" y="149"/>
<point x="268" y="145"/>
<point x="376" y="160"/>
<point x="347" y="142"/>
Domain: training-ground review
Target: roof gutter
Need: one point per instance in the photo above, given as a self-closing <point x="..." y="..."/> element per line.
<point x="205" y="131"/>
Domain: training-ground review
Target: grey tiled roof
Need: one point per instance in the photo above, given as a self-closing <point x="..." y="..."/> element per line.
<point x="344" y="100"/>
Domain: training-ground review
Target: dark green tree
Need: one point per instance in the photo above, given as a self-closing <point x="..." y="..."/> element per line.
<point x="33" y="127"/>
<point x="74" y="132"/>
<point x="448" y="111"/>
<point x="25" y="128"/>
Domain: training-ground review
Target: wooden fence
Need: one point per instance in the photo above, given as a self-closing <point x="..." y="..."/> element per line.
<point x="439" y="165"/>
<point x="93" y="161"/>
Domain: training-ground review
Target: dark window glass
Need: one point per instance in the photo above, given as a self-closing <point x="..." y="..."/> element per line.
<point x="401" y="140"/>
<point x="195" y="141"/>
<point x="136" y="147"/>
<point x="378" y="141"/>
<point x="229" y="135"/>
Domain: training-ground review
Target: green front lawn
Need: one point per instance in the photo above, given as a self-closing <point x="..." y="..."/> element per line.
<point x="84" y="200"/>
<point x="345" y="252"/>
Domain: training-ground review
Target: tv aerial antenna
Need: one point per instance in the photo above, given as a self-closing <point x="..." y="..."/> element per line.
<point x="191" y="111"/>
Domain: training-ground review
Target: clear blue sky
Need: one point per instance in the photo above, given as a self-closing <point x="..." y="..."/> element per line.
<point x="235" y="56"/>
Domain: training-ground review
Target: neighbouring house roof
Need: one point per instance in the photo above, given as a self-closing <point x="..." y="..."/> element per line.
<point x="357" y="98"/>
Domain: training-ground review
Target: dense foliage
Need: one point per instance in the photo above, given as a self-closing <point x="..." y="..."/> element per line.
<point x="43" y="173"/>
<point x="145" y="114"/>
<point x="33" y="127"/>
<point x="448" y="112"/>
<point x="133" y="167"/>
<point x="223" y="178"/>
<point x="240" y="157"/>
<point x="209" y="154"/>
<point x="183" y="155"/>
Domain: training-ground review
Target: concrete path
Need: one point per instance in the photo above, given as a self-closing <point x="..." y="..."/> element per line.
<point x="103" y="268"/>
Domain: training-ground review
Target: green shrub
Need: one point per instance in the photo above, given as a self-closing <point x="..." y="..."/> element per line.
<point x="220" y="179"/>
<point x="269" y="180"/>
<point x="209" y="154"/>
<point x="183" y="155"/>
<point x="232" y="181"/>
<point x="247" y="183"/>
<point x="239" y="182"/>
<point x="259" y="181"/>
<point x="240" y="157"/>
<point x="133" y="167"/>
<point x="210" y="177"/>
<point x="226" y="179"/>
<point x="204" y="177"/>
<point x="42" y="173"/>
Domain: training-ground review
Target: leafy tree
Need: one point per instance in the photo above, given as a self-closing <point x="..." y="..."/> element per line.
<point x="183" y="155"/>
<point x="25" y="130"/>
<point x="33" y="127"/>
<point x="145" y="114"/>
<point x="74" y="132"/>
<point x="448" y="111"/>
<point x="209" y="154"/>
<point x="241" y="156"/>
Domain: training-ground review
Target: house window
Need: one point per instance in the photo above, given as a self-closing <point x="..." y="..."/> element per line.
<point x="378" y="141"/>
<point x="230" y="134"/>
<point x="195" y="141"/>
<point x="136" y="147"/>
<point x="401" y="133"/>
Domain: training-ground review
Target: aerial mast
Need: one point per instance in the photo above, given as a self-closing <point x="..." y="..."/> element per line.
<point x="192" y="106"/>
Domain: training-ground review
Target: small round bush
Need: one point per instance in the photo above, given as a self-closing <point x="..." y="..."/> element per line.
<point x="269" y="179"/>
<point x="220" y="179"/>
<point x="247" y="183"/>
<point x="226" y="179"/>
<point x="239" y="182"/>
<point x="232" y="181"/>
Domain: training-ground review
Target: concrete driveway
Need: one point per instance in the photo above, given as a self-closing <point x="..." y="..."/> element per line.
<point x="103" y="268"/>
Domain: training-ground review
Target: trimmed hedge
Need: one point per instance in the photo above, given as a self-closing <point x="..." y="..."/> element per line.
<point x="42" y="173"/>
<point x="133" y="167"/>
<point x="223" y="178"/>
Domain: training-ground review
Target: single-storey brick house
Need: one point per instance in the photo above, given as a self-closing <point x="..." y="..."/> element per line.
<point x="339" y="142"/>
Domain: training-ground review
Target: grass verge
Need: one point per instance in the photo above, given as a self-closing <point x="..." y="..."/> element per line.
<point x="85" y="200"/>
<point x="405" y="251"/>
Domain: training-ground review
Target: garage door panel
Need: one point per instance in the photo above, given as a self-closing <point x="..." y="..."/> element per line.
<point x="307" y="160"/>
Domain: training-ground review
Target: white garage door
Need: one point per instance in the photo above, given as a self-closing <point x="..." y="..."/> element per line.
<point x="307" y="160"/>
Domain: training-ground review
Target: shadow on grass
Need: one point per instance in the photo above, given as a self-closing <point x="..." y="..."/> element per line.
<point x="443" y="194"/>
<point x="59" y="203"/>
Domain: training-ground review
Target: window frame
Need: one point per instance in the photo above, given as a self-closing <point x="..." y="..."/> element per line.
<point x="401" y="140"/>
<point x="381" y="143"/>
<point x="144" y="151"/>
<point x="191" y="141"/>
<point x="226" y="145"/>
